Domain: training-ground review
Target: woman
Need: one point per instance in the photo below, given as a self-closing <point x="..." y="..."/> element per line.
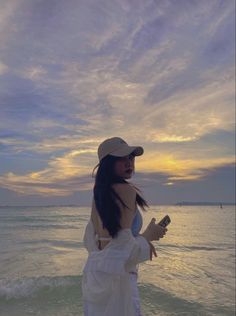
<point x="112" y="236"/>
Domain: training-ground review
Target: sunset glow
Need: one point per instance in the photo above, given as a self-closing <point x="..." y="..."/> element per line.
<point x="159" y="74"/>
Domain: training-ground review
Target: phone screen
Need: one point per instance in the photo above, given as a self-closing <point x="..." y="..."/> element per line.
<point x="165" y="221"/>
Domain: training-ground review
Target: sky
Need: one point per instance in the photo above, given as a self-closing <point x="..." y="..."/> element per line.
<point x="159" y="74"/>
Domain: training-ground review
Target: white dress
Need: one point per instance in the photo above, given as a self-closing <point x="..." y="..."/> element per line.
<point x="109" y="274"/>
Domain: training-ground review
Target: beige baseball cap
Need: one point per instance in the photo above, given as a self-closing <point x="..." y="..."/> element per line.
<point x="117" y="147"/>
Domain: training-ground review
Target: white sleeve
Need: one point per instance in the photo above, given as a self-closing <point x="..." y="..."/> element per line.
<point x="144" y="249"/>
<point x="140" y="252"/>
<point x="89" y="237"/>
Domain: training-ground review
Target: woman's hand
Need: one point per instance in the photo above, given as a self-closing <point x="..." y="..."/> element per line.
<point x="154" y="231"/>
<point x="152" y="251"/>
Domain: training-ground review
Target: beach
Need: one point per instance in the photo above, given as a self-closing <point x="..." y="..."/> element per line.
<point x="42" y="259"/>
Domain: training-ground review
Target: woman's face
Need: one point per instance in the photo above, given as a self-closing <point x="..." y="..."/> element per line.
<point x="124" y="166"/>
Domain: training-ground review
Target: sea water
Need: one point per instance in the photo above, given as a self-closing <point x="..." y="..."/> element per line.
<point x="42" y="258"/>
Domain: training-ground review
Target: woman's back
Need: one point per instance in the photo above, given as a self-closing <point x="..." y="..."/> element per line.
<point x="128" y="195"/>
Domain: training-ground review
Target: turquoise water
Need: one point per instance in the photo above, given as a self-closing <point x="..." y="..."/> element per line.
<point x="42" y="257"/>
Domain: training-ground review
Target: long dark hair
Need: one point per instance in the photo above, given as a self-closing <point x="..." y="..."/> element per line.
<point x="105" y="196"/>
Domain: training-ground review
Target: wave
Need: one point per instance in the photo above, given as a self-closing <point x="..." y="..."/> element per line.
<point x="55" y="242"/>
<point x="28" y="287"/>
<point x="62" y="295"/>
<point x="48" y="218"/>
<point x="42" y="226"/>
<point x="207" y="248"/>
<point x="196" y="248"/>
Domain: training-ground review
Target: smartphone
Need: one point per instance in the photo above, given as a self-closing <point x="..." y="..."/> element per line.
<point x="165" y="221"/>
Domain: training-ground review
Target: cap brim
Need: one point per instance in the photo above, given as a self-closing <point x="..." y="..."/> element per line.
<point x="127" y="150"/>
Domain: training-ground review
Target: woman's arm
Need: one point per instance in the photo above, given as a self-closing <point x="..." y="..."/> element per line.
<point x="144" y="249"/>
<point x="126" y="203"/>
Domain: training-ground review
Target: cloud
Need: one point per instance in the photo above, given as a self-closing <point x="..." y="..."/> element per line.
<point x="3" y="68"/>
<point x="72" y="74"/>
<point x="34" y="73"/>
<point x="72" y="172"/>
<point x="217" y="185"/>
<point x="177" y="168"/>
<point x="7" y="13"/>
<point x="189" y="115"/>
<point x="63" y="176"/>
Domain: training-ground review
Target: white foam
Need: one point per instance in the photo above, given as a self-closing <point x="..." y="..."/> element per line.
<point x="27" y="287"/>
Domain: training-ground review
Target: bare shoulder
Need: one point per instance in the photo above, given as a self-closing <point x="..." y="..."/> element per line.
<point x="124" y="189"/>
<point x="127" y="193"/>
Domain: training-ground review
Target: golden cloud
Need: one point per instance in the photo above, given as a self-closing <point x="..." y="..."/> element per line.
<point x="180" y="169"/>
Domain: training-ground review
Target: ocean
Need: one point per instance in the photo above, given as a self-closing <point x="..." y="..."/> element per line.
<point x="42" y="258"/>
